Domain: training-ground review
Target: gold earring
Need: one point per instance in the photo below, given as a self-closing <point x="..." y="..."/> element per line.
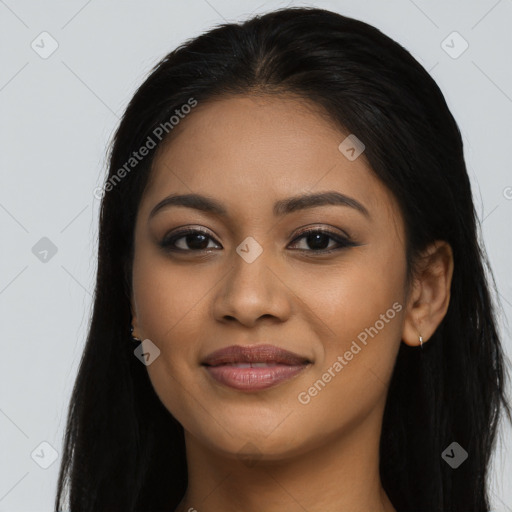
<point x="133" y="337"/>
<point x="421" y="342"/>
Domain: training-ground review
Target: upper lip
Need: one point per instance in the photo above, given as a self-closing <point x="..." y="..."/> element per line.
<point x="254" y="354"/>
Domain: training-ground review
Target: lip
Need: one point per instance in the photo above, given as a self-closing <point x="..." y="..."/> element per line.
<point x="253" y="368"/>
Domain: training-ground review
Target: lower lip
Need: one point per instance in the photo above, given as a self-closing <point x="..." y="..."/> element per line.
<point x="253" y="379"/>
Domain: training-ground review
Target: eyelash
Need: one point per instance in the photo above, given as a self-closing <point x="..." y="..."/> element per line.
<point x="344" y="242"/>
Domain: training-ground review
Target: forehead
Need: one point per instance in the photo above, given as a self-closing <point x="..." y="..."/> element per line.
<point x="249" y="151"/>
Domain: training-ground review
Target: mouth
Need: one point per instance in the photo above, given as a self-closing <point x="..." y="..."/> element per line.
<point x="254" y="368"/>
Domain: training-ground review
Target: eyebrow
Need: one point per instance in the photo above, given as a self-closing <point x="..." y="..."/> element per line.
<point x="281" y="207"/>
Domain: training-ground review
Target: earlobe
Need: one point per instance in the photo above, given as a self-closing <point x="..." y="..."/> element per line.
<point x="134" y="327"/>
<point x="430" y="295"/>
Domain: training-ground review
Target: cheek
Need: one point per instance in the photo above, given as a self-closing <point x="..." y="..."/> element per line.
<point x="353" y="375"/>
<point x="359" y="314"/>
<point x="168" y="308"/>
<point x="170" y="313"/>
<point x="167" y="297"/>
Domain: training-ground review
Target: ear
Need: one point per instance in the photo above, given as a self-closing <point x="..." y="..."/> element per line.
<point x="429" y="296"/>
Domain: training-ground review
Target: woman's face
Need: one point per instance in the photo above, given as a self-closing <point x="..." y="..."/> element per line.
<point x="249" y="278"/>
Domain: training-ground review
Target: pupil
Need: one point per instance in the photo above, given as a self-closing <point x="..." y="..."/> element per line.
<point x="190" y="241"/>
<point x="313" y="239"/>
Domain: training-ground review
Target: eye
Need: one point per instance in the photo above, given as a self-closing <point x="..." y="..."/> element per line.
<point x="197" y="241"/>
<point x="318" y="238"/>
<point x="195" y="238"/>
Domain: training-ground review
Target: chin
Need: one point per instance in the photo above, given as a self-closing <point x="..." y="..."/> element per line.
<point x="250" y="441"/>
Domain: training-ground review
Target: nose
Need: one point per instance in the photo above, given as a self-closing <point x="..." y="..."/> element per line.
<point x="252" y="291"/>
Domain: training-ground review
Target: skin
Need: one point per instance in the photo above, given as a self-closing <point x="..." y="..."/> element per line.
<point x="246" y="451"/>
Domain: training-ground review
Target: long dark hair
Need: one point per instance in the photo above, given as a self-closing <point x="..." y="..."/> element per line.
<point x="123" y="450"/>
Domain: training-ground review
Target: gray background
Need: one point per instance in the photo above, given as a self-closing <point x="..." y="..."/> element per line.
<point x="57" y="116"/>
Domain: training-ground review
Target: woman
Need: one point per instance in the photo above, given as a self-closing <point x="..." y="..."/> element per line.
<point x="288" y="228"/>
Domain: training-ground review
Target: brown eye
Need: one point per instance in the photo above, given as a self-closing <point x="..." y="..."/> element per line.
<point x="195" y="239"/>
<point x="318" y="240"/>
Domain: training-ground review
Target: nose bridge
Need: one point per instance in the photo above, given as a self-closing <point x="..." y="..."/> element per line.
<point x="251" y="289"/>
<point x="250" y="274"/>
